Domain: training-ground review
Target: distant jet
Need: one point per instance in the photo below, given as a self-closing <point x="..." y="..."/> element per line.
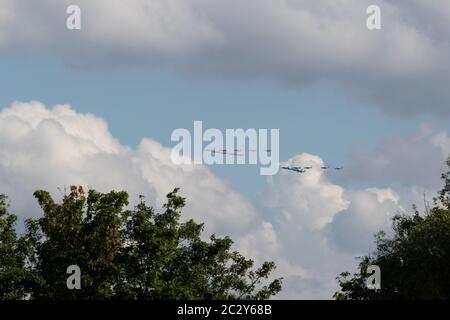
<point x="295" y="169"/>
<point x="338" y="168"/>
<point x="265" y="150"/>
<point x="236" y="152"/>
<point x="325" y="167"/>
<point x="307" y="167"/>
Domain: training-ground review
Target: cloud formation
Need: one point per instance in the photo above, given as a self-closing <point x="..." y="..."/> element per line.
<point x="402" y="68"/>
<point x="310" y="225"/>
<point x="320" y="225"/>
<point x="58" y="147"/>
<point x="417" y="159"/>
<point x="369" y="211"/>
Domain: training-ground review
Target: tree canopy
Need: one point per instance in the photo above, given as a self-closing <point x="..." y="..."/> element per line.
<point x="414" y="260"/>
<point x="122" y="253"/>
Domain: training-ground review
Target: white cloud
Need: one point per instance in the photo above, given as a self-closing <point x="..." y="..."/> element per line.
<point x="51" y="148"/>
<point x="320" y="226"/>
<point x="417" y="160"/>
<point x="311" y="226"/>
<point x="308" y="200"/>
<point x="369" y="212"/>
<point x="402" y="67"/>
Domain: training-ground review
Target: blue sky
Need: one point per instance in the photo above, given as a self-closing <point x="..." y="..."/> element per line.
<point x="148" y="102"/>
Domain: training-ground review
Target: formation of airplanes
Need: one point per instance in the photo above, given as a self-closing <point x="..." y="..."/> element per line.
<point x="234" y="152"/>
<point x="297" y="169"/>
<point x="306" y="168"/>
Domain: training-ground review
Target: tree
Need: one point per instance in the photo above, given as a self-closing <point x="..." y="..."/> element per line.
<point x="12" y="255"/>
<point x="414" y="261"/>
<point x="128" y="254"/>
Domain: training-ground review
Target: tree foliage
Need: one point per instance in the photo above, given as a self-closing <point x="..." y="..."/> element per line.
<point x="12" y="255"/>
<point x="122" y="253"/>
<point x="414" y="261"/>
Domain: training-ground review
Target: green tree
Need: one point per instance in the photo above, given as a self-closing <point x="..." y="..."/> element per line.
<point x="414" y="260"/>
<point x="12" y="256"/>
<point x="129" y="254"/>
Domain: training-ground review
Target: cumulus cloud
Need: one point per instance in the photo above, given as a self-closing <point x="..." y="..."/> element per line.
<point x="369" y="211"/>
<point x="48" y="148"/>
<point x="320" y="225"/>
<point x="416" y="160"/>
<point x="402" y="68"/>
<point x="51" y="148"/>
<point x="310" y="225"/>
<point x="303" y="201"/>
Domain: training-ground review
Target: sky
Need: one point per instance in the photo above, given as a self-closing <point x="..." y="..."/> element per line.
<point x="97" y="107"/>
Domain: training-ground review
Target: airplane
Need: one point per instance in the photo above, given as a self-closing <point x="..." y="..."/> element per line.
<point x="305" y="168"/>
<point x="236" y="152"/>
<point x="216" y="150"/>
<point x="224" y="151"/>
<point x="266" y="150"/>
<point x="289" y="168"/>
<point x="295" y="169"/>
<point x="251" y="150"/>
